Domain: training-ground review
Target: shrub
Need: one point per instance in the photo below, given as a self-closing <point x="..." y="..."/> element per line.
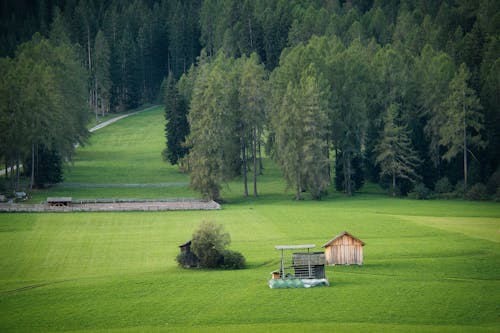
<point x="208" y="244"/>
<point x="493" y="184"/>
<point x="477" y="192"/>
<point x="459" y="190"/>
<point x="233" y="260"/>
<point x="420" y="192"/>
<point x="187" y="259"/>
<point x="443" y="185"/>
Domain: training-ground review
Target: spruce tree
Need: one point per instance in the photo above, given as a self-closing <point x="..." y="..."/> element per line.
<point x="462" y="129"/>
<point x="177" y="127"/>
<point x="394" y="152"/>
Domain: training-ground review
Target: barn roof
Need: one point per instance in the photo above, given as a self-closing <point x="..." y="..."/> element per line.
<point x="344" y="233"/>
<point x="188" y="243"/>
<point x="294" y="247"/>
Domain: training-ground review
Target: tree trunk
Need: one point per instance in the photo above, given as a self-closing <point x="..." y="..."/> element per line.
<point x="32" y="165"/>
<point x="329" y="168"/>
<point x="261" y="166"/>
<point x="465" y="148"/>
<point x="95" y="99"/>
<point x="393" y="183"/>
<point x="299" y="188"/>
<point x="348" y="174"/>
<point x="244" y="156"/>
<point x="251" y="34"/>
<point x="17" y="171"/>
<point x="254" y="152"/>
<point x="11" y="172"/>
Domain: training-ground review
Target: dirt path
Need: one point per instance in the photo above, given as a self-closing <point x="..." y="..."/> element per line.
<point x="115" y="119"/>
<point x="97" y="127"/>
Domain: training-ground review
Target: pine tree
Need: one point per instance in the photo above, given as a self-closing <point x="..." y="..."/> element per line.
<point x="213" y="140"/>
<point x="102" y="80"/>
<point x="177" y="127"/>
<point x="394" y="152"/>
<point x="462" y="129"/>
<point x="350" y="97"/>
<point x="301" y="125"/>
<point x="251" y="101"/>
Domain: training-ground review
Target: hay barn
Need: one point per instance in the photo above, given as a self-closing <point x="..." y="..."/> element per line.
<point x="344" y="249"/>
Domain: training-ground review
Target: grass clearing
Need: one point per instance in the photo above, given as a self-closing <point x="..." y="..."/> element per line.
<point x="430" y="266"/>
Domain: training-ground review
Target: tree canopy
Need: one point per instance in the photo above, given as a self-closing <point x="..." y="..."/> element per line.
<point x="318" y="80"/>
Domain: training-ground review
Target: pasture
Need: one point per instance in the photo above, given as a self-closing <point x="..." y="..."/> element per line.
<point x="430" y="266"/>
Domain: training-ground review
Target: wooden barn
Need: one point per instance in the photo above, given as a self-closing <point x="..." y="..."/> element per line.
<point x="344" y="249"/>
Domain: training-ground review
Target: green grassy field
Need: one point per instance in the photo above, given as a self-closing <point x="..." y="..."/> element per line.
<point x="430" y="266"/>
<point x="125" y="152"/>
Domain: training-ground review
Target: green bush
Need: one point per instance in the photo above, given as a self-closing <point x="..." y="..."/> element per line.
<point x="187" y="259"/>
<point x="459" y="190"/>
<point x="477" y="192"/>
<point x="233" y="260"/>
<point x="443" y="185"/>
<point x="420" y="192"/>
<point x="208" y="245"/>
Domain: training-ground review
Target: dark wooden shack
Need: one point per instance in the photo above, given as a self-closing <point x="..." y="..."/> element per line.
<point x="189" y="258"/>
<point x="344" y="249"/>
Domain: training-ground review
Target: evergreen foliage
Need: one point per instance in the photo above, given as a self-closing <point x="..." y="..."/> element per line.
<point x="177" y="127"/>
<point x="462" y="129"/>
<point x="437" y="61"/>
<point x="395" y="153"/>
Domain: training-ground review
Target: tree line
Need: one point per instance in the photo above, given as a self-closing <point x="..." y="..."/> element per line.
<point x="354" y="89"/>
<point x="403" y="95"/>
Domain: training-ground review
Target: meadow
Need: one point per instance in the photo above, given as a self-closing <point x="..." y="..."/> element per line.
<point x="430" y="266"/>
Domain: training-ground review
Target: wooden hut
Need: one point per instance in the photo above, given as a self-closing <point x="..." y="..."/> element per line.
<point x="344" y="249"/>
<point x="189" y="259"/>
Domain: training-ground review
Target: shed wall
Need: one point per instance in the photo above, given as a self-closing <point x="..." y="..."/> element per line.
<point x="344" y="251"/>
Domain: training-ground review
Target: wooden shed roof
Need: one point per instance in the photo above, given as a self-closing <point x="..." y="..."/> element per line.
<point x="295" y="247"/>
<point x="188" y="243"/>
<point x="344" y="233"/>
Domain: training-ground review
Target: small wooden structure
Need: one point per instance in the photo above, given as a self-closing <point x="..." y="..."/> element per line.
<point x="305" y="265"/>
<point x="309" y="269"/>
<point x="59" y="201"/>
<point x="344" y="249"/>
<point x="309" y="265"/>
<point x="190" y="259"/>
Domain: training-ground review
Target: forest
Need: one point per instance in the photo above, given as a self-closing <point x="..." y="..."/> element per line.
<point x="400" y="93"/>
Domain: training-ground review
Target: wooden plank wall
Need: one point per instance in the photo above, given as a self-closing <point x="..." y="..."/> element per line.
<point x="344" y="251"/>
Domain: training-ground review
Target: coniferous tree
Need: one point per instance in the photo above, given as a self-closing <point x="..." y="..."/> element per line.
<point x="350" y="76"/>
<point x="102" y="80"/>
<point x="251" y="101"/>
<point x="301" y="125"/>
<point x="177" y="127"/>
<point x="462" y="129"/>
<point x="394" y="152"/>
<point x="213" y="138"/>
<point x="435" y="71"/>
